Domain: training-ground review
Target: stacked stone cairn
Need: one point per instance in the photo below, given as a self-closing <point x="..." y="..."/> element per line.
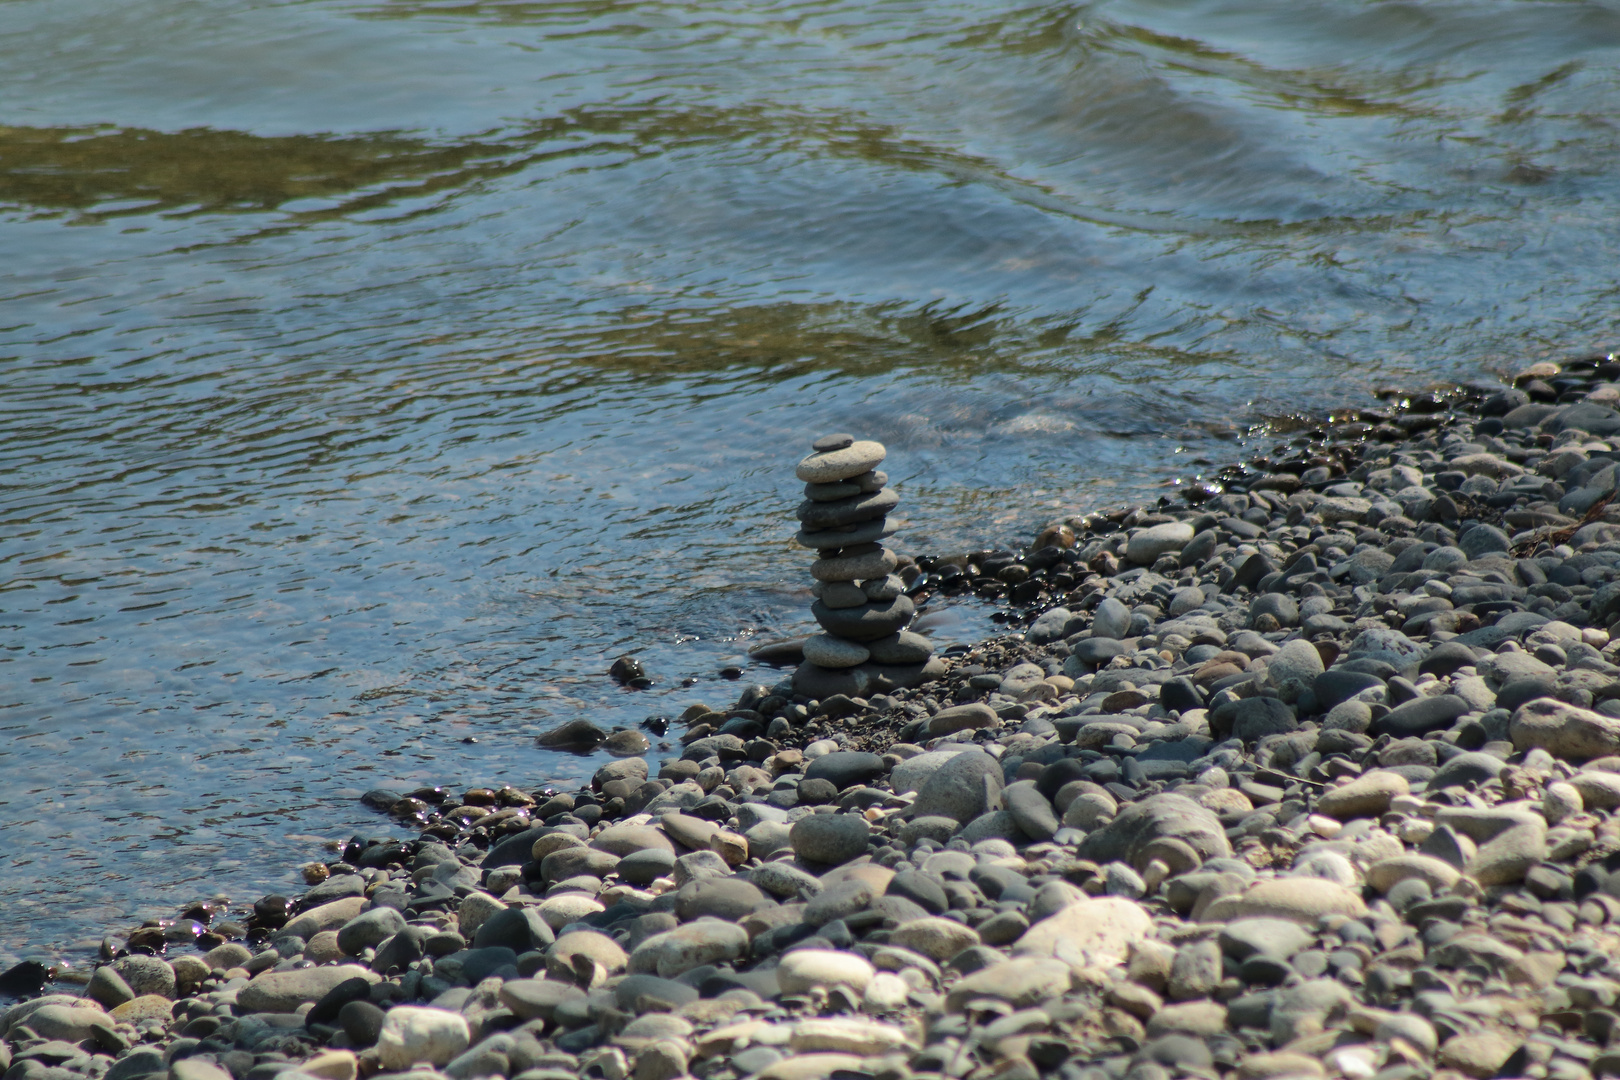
<point x="860" y="603"/>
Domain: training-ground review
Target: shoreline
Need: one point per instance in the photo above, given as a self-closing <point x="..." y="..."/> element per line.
<point x="1360" y="689"/>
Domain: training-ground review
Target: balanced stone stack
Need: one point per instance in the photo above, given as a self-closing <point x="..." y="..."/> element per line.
<point x="860" y="603"/>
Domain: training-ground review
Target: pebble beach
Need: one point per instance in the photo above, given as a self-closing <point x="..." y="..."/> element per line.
<point x="1308" y="770"/>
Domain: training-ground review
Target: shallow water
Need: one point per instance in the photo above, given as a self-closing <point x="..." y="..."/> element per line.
<point x="376" y="372"/>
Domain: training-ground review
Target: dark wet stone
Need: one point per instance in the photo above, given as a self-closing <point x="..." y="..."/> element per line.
<point x="1180" y="695"/>
<point x="629" y="671"/>
<point x="362" y="1022"/>
<point x="574" y="735"/>
<point x="401" y="950"/>
<point x="866" y="622"/>
<point x="331" y="1005"/>
<point x="828" y="443"/>
<point x="23" y="979"/>
<point x="479" y="964"/>
<point x="845" y="768"/>
<point x="1055" y="775"/>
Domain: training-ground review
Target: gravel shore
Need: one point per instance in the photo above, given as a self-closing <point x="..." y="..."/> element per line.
<point x="1310" y="771"/>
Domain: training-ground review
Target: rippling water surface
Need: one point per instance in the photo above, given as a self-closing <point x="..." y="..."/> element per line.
<point x="374" y="373"/>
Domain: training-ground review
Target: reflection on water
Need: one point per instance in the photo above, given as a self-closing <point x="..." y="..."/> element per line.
<point x="377" y="372"/>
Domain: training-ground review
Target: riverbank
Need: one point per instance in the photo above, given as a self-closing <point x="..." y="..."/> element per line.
<point x="1308" y="770"/>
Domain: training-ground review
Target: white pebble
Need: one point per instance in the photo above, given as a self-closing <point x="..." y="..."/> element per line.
<point x="885" y="993"/>
<point x="1325" y="827"/>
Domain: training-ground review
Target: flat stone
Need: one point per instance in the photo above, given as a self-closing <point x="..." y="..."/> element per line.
<point x="1199" y="1018"/>
<point x="196" y="1068"/>
<point x="967" y="717"/>
<point x="813" y="514"/>
<point x="1301" y="899"/>
<point x="147" y="975"/>
<point x="825" y="467"/>
<point x="328" y="916"/>
<point x="537" y="999"/>
<point x="846" y="1035"/>
<point x="846" y="768"/>
<point x="913" y="772"/>
<point x="866" y="532"/>
<point x="905" y="647"/>
<point x="1336" y="686"/>
<point x="1279" y="939"/>
<point x="693" y="833"/>
<point x="803" y="1066"/>
<point x="804" y="969"/>
<point x="839" y="901"/>
<point x="1385" y="874"/>
<point x="826" y="444"/>
<point x="645" y="867"/>
<point x="862" y="566"/>
<point x="284" y="991"/>
<point x="868" y="622"/>
<point x="1021" y="983"/>
<point x="839" y="594"/>
<point x="1597" y="790"/>
<point x="1367" y="795"/>
<point x="627" y="840"/>
<point x="828" y="651"/>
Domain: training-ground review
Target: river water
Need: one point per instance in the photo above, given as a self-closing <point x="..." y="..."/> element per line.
<point x="374" y="373"/>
